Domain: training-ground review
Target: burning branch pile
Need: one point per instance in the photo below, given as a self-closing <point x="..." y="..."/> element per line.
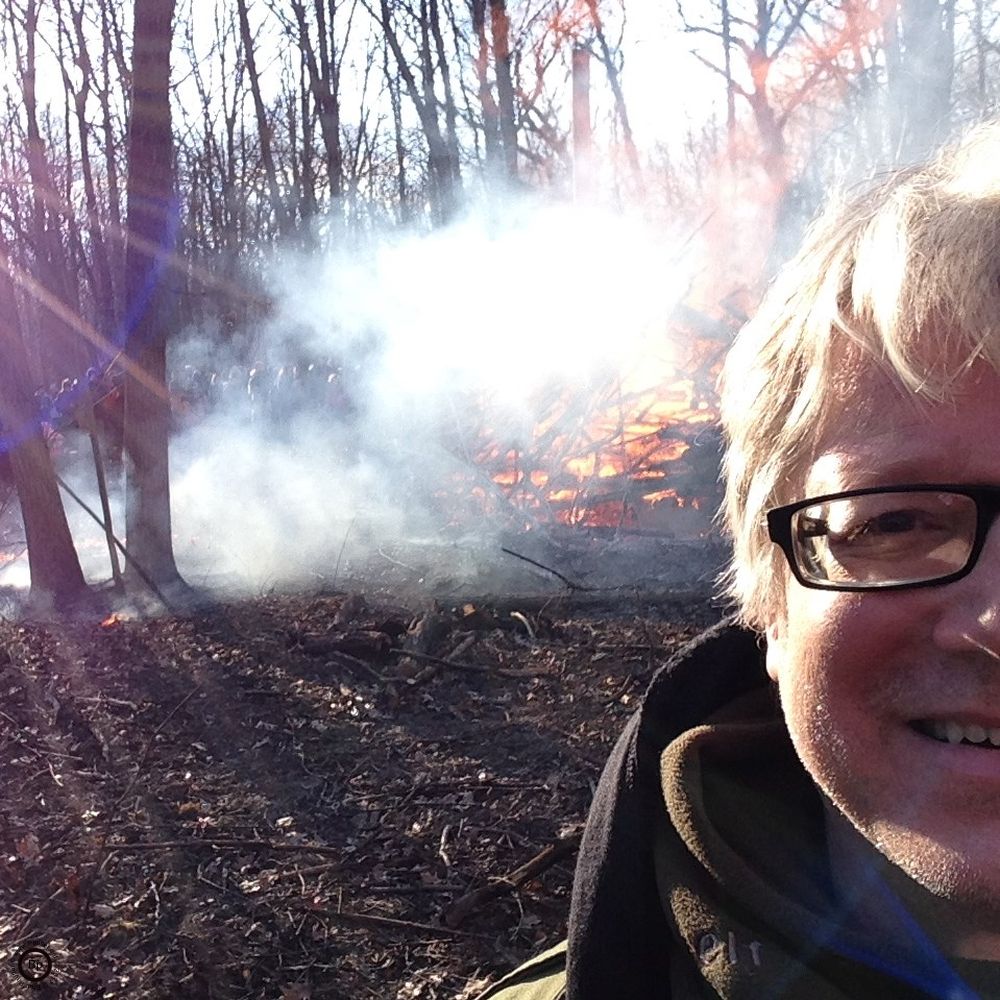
<point x="616" y="453"/>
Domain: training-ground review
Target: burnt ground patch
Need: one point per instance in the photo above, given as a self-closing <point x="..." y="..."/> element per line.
<point x="269" y="799"/>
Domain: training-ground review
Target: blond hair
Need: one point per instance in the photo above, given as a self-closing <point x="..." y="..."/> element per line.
<point x="905" y="278"/>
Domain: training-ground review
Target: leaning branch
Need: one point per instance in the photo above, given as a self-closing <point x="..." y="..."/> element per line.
<point x="548" y="569"/>
<point x="465" y="906"/>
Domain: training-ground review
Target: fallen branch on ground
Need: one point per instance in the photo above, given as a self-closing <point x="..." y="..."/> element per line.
<point x="462" y="908"/>
<point x="353" y="663"/>
<point x="548" y="569"/>
<point x="433" y="669"/>
<point x="470" y="668"/>
<point x="405" y="925"/>
<point x="227" y="842"/>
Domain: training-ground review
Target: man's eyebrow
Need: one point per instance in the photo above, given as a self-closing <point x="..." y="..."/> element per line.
<point x="903" y="470"/>
<point x="858" y="470"/>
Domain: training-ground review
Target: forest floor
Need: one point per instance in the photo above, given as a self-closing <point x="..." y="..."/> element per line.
<point x="266" y="799"/>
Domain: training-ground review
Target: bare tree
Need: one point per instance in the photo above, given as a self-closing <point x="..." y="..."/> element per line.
<point x="59" y="343"/>
<point x="443" y="154"/>
<point x="608" y="58"/>
<point x="762" y="32"/>
<point x="506" y="114"/>
<point x="487" y="102"/>
<point x="920" y="63"/>
<point x="99" y="264"/>
<point x="56" y="577"/>
<point x="152" y="232"/>
<point x="323" y="69"/>
<point x="264" y="129"/>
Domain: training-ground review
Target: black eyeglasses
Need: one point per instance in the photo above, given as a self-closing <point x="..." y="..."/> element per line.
<point x="885" y="538"/>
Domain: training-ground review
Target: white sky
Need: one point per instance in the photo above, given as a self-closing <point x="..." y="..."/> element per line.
<point x="665" y="86"/>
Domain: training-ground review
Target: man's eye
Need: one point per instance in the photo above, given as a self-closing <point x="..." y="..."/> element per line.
<point x="860" y="527"/>
<point x="890" y="523"/>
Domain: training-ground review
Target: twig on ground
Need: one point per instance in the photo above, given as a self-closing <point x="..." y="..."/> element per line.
<point x="545" y="859"/>
<point x="471" y="668"/>
<point x="352" y="661"/>
<point x="408" y="925"/>
<point x="548" y="569"/>
<point x="340" y="554"/>
<point x="433" y="669"/>
<point x="10" y="719"/>
<point x="523" y="619"/>
<point x="226" y="842"/>
<point x="412" y="890"/>
<point x="19" y="737"/>
<point x="105" y="699"/>
<point x="20" y="937"/>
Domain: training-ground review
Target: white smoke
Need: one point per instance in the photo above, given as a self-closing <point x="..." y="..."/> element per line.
<point x="446" y="339"/>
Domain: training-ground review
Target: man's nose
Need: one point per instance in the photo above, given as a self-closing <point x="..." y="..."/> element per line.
<point x="970" y="615"/>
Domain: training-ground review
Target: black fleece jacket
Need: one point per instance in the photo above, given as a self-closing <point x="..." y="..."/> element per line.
<point x="617" y="926"/>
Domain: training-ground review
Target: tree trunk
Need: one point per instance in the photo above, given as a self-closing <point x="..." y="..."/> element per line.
<point x="727" y="62"/>
<point x="59" y="345"/>
<point x="500" y="25"/>
<point x="56" y="577"/>
<point x="104" y="297"/>
<point x="263" y="125"/>
<point x="325" y="92"/>
<point x="607" y="57"/>
<point x="109" y="139"/>
<point x="443" y="169"/>
<point x="450" y="106"/>
<point x="310" y="205"/>
<point x="583" y="142"/>
<point x="395" y="100"/>
<point x="491" y="113"/>
<point x="151" y="235"/>
<point x="774" y="158"/>
<point x="920" y="76"/>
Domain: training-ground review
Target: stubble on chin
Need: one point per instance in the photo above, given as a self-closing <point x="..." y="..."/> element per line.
<point x="956" y="905"/>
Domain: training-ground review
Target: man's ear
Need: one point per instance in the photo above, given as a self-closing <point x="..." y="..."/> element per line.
<point x="774" y="659"/>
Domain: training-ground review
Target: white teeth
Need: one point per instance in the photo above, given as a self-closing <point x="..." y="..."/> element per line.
<point x="955" y="732"/>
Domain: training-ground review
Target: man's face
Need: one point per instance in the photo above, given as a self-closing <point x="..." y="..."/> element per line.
<point x="861" y="674"/>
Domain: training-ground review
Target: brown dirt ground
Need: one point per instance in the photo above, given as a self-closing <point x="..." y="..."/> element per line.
<point x="262" y="800"/>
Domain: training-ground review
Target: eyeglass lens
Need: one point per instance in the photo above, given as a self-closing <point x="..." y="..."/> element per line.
<point x="881" y="539"/>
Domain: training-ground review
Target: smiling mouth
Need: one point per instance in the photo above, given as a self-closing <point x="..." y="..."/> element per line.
<point x="959" y="734"/>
